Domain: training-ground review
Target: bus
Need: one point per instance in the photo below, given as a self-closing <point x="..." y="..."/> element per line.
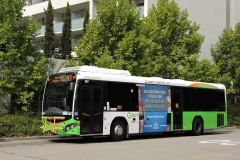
<point x="91" y="101"/>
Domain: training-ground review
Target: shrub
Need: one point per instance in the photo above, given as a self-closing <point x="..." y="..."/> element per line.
<point x="234" y="114"/>
<point x="19" y="126"/>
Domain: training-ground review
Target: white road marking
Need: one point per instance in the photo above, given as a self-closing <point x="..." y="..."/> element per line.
<point x="222" y="142"/>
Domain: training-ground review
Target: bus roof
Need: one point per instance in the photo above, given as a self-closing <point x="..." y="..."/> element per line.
<point x="115" y="75"/>
<point x="94" y="69"/>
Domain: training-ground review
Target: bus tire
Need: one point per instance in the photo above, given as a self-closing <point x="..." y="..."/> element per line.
<point x="118" y="130"/>
<point x="197" y="127"/>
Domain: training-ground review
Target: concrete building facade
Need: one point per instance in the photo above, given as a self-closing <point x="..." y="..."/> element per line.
<point x="213" y="16"/>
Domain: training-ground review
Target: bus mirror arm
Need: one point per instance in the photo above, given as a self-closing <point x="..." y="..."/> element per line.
<point x="64" y="101"/>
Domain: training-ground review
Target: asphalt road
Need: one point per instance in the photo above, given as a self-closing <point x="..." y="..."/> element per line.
<point x="221" y="144"/>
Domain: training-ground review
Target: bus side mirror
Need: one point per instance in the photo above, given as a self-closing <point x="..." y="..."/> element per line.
<point x="72" y="86"/>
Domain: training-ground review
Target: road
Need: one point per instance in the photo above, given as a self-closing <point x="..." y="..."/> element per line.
<point x="221" y="144"/>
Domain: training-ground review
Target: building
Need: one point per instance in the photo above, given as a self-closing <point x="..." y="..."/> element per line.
<point x="213" y="16"/>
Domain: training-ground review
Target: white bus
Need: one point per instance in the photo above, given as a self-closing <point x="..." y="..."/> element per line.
<point x="92" y="101"/>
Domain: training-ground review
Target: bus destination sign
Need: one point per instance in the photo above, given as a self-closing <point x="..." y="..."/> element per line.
<point x="62" y="78"/>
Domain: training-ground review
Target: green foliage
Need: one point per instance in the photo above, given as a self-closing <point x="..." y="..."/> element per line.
<point x="107" y="33"/>
<point x="225" y="54"/>
<point x="86" y="19"/>
<point x="173" y="39"/>
<point x="22" y="68"/>
<point x="66" y="45"/>
<point x="50" y="42"/>
<point x="157" y="45"/>
<point x="19" y="126"/>
<point x="233" y="114"/>
<point x="3" y="112"/>
<point x="49" y="31"/>
<point x="195" y="70"/>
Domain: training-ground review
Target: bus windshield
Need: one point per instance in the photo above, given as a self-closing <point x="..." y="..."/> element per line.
<point x="58" y="98"/>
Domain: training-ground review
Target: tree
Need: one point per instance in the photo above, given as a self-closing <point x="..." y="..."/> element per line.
<point x="22" y="68"/>
<point x="86" y="19"/>
<point x="157" y="45"/>
<point x="226" y="55"/>
<point x="49" y="31"/>
<point x="172" y="38"/>
<point x="104" y="43"/>
<point x="66" y="45"/>
<point x="195" y="70"/>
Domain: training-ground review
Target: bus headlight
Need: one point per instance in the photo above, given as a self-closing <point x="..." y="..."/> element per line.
<point x="71" y="126"/>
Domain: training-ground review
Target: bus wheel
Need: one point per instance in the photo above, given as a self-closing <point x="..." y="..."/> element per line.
<point x="118" y="130"/>
<point x="197" y="127"/>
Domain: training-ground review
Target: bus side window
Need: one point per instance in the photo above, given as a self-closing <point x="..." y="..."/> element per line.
<point x="118" y="94"/>
<point x="134" y="98"/>
<point x="122" y="96"/>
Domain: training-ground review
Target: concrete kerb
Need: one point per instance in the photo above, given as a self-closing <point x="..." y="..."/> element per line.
<point x="29" y="138"/>
<point x="49" y="137"/>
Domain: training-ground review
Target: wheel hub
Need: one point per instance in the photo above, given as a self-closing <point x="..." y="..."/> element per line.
<point x="118" y="130"/>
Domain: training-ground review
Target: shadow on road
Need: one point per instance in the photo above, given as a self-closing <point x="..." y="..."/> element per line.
<point x="106" y="139"/>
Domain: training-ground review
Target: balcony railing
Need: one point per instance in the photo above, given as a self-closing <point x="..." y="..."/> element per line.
<point x="32" y="2"/>
<point x="41" y="30"/>
<point x="76" y="24"/>
<point x="58" y="27"/>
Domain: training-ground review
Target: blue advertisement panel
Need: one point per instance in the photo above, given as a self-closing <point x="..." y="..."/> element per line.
<point x="153" y="108"/>
<point x="155" y="122"/>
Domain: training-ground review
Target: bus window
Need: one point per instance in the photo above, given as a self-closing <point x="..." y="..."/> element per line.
<point x="221" y="101"/>
<point x="197" y="99"/>
<point x="122" y="96"/>
<point x="186" y="99"/>
<point x="134" y="97"/>
<point x="211" y="100"/>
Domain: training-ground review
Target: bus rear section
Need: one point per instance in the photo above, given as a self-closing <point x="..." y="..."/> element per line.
<point x="204" y="107"/>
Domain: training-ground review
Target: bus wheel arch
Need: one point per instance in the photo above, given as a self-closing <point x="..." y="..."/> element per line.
<point x="197" y="126"/>
<point x="119" y="129"/>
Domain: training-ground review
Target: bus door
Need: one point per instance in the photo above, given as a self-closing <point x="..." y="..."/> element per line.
<point x="177" y="108"/>
<point x="91" y="110"/>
